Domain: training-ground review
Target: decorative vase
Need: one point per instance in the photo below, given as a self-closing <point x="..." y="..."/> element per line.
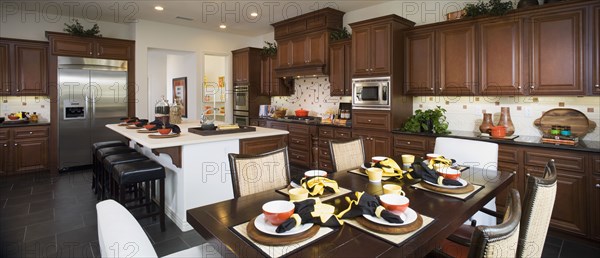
<point x="506" y="121"/>
<point x="526" y="3"/>
<point x="487" y="123"/>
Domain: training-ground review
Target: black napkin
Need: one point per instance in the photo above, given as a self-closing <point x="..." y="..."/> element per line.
<point x="174" y="128"/>
<point x="303" y="210"/>
<point x="422" y="170"/>
<point x="367" y="204"/>
<point x="141" y="122"/>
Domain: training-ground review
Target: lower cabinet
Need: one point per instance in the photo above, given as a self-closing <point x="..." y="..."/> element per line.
<point x="302" y="142"/>
<point x="412" y="144"/>
<point x="23" y="149"/>
<point x="595" y="208"/>
<point x="375" y="143"/>
<point x="255" y="146"/>
<point x="326" y="134"/>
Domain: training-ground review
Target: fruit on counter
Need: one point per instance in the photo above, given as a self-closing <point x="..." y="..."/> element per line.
<point x="13" y="116"/>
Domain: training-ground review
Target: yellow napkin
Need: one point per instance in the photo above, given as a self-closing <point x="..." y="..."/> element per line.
<point x="317" y="185"/>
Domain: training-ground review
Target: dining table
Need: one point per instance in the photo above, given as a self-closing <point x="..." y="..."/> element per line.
<point x="215" y="222"/>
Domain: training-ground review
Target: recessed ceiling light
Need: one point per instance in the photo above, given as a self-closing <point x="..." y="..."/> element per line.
<point x="223" y="26"/>
<point x="158" y="8"/>
<point x="253" y="14"/>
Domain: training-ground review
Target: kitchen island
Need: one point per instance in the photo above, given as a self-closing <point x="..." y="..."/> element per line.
<point x="197" y="168"/>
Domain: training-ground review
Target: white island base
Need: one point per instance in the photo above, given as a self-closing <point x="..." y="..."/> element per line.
<point x="197" y="167"/>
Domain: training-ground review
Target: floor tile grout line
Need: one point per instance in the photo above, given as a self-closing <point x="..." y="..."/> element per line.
<point x="561" y="247"/>
<point x="25" y="233"/>
<point x="5" y="201"/>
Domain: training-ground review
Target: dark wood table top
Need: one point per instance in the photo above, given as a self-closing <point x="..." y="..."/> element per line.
<point x="214" y="221"/>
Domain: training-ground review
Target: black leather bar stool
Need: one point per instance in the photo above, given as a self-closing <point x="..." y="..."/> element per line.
<point x="95" y="165"/>
<point x="112" y="160"/>
<point x="102" y="177"/>
<point x="146" y="173"/>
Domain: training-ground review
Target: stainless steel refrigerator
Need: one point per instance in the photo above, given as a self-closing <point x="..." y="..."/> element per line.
<point x="91" y="94"/>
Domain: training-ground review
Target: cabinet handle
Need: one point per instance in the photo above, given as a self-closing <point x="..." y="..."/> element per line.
<point x="18" y="89"/>
<point x="440" y="88"/>
<point x="325" y="165"/>
<point x="90" y="53"/>
<point x="514" y="172"/>
<point x="369" y="120"/>
<point x="597" y="185"/>
<point x="519" y="87"/>
<point x="408" y="143"/>
<point x="528" y="175"/>
<point x="16" y="144"/>
<point x="597" y="85"/>
<point x="30" y="132"/>
<point x="431" y="88"/>
<point x="5" y="145"/>
<point x="297" y="157"/>
<point x="532" y="87"/>
<point x="366" y="70"/>
<point x="324" y="132"/>
<point x="342" y="134"/>
<point x="6" y="89"/>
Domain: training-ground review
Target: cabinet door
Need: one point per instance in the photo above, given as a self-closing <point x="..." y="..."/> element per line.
<point x="240" y="67"/>
<point x="595" y="213"/>
<point x="315" y="52"/>
<point x="500" y="58"/>
<point x="382" y="146"/>
<point x="284" y="51"/>
<point x="265" y="76"/>
<point x="371" y="119"/>
<point x="337" y="71"/>
<point x="419" y="52"/>
<point x="557" y="48"/>
<point x="380" y="49"/>
<point x="31" y="68"/>
<point x="596" y="52"/>
<point x="277" y="88"/>
<point x="30" y="154"/>
<point x="114" y="49"/>
<point x="360" y="51"/>
<point x="5" y="82"/>
<point x="367" y="143"/>
<point x="299" y="51"/>
<point x="501" y="197"/>
<point x="570" y="206"/>
<point x="4" y="157"/>
<point x="71" y="46"/>
<point x="456" y="58"/>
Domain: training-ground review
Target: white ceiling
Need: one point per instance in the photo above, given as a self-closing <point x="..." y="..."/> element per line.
<point x="204" y="14"/>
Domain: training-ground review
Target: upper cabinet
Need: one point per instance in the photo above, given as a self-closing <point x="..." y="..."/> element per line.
<point x="240" y="65"/>
<point x="377" y="46"/>
<point x="303" y="43"/>
<point x="557" y="46"/>
<point x="270" y="84"/>
<point x="537" y="51"/>
<point x="23" y="67"/>
<point x="67" y="45"/>
<point x="340" y="79"/>
<point x="596" y="51"/>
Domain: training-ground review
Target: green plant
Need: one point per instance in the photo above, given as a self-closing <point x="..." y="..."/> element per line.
<point x="430" y="120"/>
<point x="340" y="34"/>
<point x="270" y="49"/>
<point x="77" y="29"/>
<point x="493" y="7"/>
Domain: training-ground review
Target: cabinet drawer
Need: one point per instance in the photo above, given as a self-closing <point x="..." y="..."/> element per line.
<point x="4" y="134"/>
<point x="398" y="152"/>
<point x="326" y="132"/>
<point x="563" y="160"/>
<point x="298" y="129"/>
<point x="324" y="153"/>
<point x="410" y="142"/>
<point x="277" y="125"/>
<point x="508" y="154"/>
<point x="299" y="142"/>
<point x="324" y="142"/>
<point x="342" y="133"/>
<point x="595" y="163"/>
<point x="379" y="120"/>
<point x="325" y="164"/>
<point x="31" y="132"/>
<point x="299" y="157"/>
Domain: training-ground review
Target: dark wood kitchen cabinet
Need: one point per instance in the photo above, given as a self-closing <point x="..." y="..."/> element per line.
<point x="419" y="62"/>
<point x="24" y="67"/>
<point x="557" y="46"/>
<point x="241" y="65"/>
<point x="271" y="85"/>
<point x="24" y="149"/>
<point x="457" y="60"/>
<point x="326" y="134"/>
<point x="500" y="57"/>
<point x="412" y="144"/>
<point x="340" y="77"/>
<point x="375" y="143"/>
<point x="596" y="50"/>
<point x="595" y="212"/>
<point x="67" y="45"/>
<point x="302" y="142"/>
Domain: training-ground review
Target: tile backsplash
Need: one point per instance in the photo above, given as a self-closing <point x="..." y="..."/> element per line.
<point x="465" y="113"/>
<point x="38" y="104"/>
<point x="312" y="94"/>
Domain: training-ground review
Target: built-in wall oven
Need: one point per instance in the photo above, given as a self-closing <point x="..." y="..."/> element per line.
<point x="371" y="93"/>
<point x="241" y="98"/>
<point x="241" y="118"/>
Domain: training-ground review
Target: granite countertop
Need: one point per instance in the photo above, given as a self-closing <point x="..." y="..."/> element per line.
<point x="536" y="141"/>
<point x="306" y="122"/>
<point x="40" y="123"/>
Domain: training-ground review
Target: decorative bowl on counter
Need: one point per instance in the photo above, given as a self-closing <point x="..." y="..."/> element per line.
<point x="301" y="113"/>
<point x="13" y="117"/>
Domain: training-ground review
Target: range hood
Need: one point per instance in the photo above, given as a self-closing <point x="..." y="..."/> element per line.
<point x="302" y="71"/>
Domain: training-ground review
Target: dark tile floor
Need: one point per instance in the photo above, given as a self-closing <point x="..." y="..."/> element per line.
<point x="45" y="216"/>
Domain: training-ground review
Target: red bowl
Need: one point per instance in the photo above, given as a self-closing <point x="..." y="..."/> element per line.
<point x="498" y="131"/>
<point x="276" y="212"/>
<point x="301" y="113"/>
<point x="164" y="130"/>
<point x="149" y="126"/>
<point x="449" y="173"/>
<point x="394" y="202"/>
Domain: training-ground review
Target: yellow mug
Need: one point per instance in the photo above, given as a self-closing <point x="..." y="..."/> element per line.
<point x="408" y="159"/>
<point x="393" y="189"/>
<point x="374" y="174"/>
<point x="298" y="194"/>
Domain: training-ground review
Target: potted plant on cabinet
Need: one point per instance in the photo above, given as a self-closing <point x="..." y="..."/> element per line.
<point x="429" y="121"/>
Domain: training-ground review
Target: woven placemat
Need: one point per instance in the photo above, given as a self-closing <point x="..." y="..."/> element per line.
<point x="324" y="197"/>
<point x="463" y="196"/>
<point x="267" y="239"/>
<point x="281" y="250"/>
<point x="158" y="136"/>
<point x="395" y="239"/>
<point x="467" y="189"/>
<point x="389" y="229"/>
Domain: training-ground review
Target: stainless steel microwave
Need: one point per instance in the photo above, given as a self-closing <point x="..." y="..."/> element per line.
<point x="371" y="93"/>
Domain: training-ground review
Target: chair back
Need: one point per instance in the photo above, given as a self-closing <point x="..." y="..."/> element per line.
<point x="468" y="152"/>
<point x="537" y="210"/>
<point x="346" y="155"/>
<point x="257" y="173"/>
<point x="500" y="240"/>
<point x="119" y="233"/>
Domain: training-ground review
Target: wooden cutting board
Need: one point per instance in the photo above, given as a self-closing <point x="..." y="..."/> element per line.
<point x="580" y="124"/>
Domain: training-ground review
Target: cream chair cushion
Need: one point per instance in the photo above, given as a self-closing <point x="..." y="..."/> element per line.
<point x="347" y="155"/>
<point x="257" y="173"/>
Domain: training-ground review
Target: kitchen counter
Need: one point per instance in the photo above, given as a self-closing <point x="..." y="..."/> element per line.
<point x="5" y="125"/>
<point x="535" y="141"/>
<point x="196" y="167"/>
<point x="303" y="122"/>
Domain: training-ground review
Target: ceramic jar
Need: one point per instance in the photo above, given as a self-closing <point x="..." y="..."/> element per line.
<point x="487" y="123"/>
<point x="506" y="121"/>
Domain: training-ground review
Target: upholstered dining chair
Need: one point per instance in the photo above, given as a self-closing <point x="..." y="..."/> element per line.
<point x="473" y="154"/>
<point x="257" y="173"/>
<point x="346" y="155"/>
<point x="120" y="235"/>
